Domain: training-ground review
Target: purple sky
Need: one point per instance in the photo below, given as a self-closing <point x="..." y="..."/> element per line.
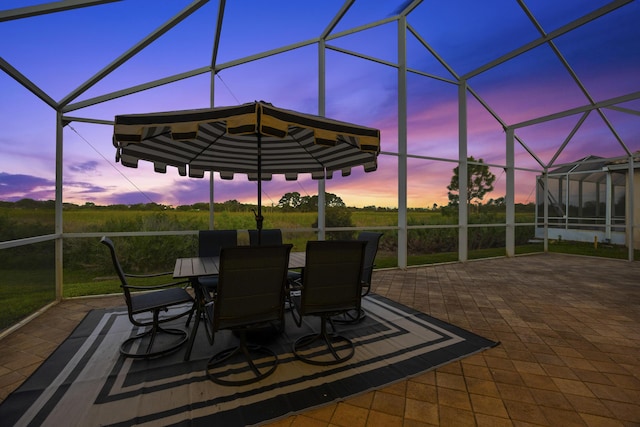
<point x="61" y="51"/>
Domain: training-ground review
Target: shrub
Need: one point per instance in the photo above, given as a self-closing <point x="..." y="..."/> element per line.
<point x="338" y="217"/>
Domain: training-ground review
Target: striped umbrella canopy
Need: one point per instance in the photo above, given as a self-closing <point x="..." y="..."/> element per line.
<point x="256" y="139"/>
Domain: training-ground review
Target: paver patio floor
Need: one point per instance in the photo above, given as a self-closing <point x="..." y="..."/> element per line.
<point x="569" y="353"/>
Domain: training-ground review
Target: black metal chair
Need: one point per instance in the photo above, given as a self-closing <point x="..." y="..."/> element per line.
<point x="210" y="243"/>
<point x="161" y="298"/>
<point x="373" y="241"/>
<point x="269" y="237"/>
<point x="251" y="294"/>
<point x="266" y="237"/>
<point x="371" y="250"/>
<point x="331" y="285"/>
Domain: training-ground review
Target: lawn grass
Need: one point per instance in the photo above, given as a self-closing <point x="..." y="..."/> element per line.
<point x="78" y="283"/>
<point x="87" y="271"/>
<point x="107" y="285"/>
<point x="24" y="291"/>
<point x="589" y="249"/>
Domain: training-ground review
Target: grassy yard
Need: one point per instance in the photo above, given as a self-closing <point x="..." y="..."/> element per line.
<point x="88" y="270"/>
<point x="24" y="291"/>
<point x="78" y="283"/>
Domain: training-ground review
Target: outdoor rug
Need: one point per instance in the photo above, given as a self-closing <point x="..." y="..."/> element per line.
<point x="86" y="382"/>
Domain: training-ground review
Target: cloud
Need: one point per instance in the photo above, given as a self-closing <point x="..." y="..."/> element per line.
<point x="89" y="166"/>
<point x="87" y="188"/>
<point x="132" y="198"/>
<point x="15" y="187"/>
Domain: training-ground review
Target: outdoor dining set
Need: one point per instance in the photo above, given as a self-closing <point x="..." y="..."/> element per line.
<point x="239" y="288"/>
<point x="248" y="290"/>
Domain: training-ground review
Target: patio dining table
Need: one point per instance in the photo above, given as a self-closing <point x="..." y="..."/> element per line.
<point x="194" y="267"/>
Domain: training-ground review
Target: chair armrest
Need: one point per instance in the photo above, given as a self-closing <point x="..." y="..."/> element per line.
<point x="142" y="276"/>
<point x="293" y="304"/>
<point x="294" y="286"/>
<point x="186" y="283"/>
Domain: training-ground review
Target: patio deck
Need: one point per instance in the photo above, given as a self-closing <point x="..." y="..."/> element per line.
<point x="569" y="353"/>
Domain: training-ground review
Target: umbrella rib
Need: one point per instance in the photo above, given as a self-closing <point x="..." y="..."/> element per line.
<point x="307" y="151"/>
<point x="156" y="136"/>
<point x="205" y="148"/>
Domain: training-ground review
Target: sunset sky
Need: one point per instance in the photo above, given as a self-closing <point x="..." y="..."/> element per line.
<point x="60" y="52"/>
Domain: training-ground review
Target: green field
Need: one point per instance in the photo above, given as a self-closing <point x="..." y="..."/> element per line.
<point x="28" y="272"/>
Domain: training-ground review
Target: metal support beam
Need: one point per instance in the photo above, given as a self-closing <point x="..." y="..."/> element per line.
<point x="52" y="7"/>
<point x="510" y="196"/>
<point x="609" y="204"/>
<point x="322" y="106"/>
<point x="631" y="219"/>
<point x="402" y="143"/>
<point x="58" y="206"/>
<point x="463" y="208"/>
<point x="211" y="203"/>
<point x="545" y="178"/>
<point x="212" y="93"/>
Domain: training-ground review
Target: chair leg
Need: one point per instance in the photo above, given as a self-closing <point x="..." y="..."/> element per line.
<point x="260" y="360"/>
<point x="194" y="332"/>
<point x="195" y="286"/>
<point x="350" y="317"/>
<point x="195" y="307"/>
<point x="340" y="348"/>
<point x="128" y="346"/>
<point x="353" y="316"/>
<point x="202" y="305"/>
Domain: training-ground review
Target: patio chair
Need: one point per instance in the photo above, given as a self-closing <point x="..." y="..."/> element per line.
<point x="373" y="241"/>
<point x="210" y="243"/>
<point x="272" y="236"/>
<point x="268" y="237"/>
<point x="251" y="294"/>
<point x="172" y="299"/>
<point x="331" y="285"/>
<point x="371" y="250"/>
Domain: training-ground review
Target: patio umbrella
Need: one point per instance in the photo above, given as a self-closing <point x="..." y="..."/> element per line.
<point x="256" y="139"/>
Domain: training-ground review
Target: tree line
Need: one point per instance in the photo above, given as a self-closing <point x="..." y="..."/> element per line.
<point x="480" y="182"/>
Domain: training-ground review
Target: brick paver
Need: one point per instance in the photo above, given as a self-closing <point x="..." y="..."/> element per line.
<point x="569" y="353"/>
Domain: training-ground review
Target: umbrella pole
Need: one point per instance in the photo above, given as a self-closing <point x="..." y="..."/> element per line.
<point x="259" y="217"/>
